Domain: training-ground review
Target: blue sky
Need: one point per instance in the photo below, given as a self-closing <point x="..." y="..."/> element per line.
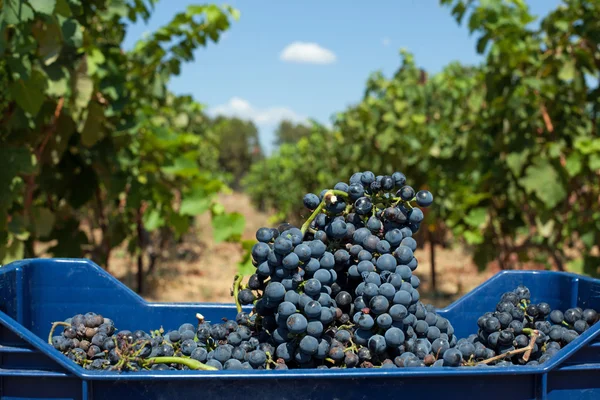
<point x="311" y="58"/>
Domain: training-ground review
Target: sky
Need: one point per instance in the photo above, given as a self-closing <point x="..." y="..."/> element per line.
<point x="311" y="59"/>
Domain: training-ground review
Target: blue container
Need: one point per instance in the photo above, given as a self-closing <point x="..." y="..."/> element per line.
<point x="34" y="293"/>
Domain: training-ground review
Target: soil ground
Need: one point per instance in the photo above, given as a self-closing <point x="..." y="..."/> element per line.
<point x="199" y="270"/>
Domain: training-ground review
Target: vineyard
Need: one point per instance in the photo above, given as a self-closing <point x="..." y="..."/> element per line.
<point x="441" y="236"/>
<point x="98" y="157"/>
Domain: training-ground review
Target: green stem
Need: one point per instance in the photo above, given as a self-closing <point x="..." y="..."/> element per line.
<point x="189" y="362"/>
<point x="54" y="325"/>
<point x="237" y="281"/>
<point x="527" y="331"/>
<point x="320" y="207"/>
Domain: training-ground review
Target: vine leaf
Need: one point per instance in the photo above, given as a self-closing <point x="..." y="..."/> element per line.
<point x="29" y="94"/>
<point x="542" y="179"/>
<point x="228" y="226"/>
<point x="45" y="7"/>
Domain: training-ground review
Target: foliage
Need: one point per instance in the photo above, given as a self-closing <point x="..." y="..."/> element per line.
<point x="94" y="150"/>
<point x="289" y="132"/>
<point x="238" y="146"/>
<point x="509" y="148"/>
<point x="279" y="182"/>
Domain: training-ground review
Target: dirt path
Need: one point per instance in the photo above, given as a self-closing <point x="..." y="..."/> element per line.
<point x="202" y="271"/>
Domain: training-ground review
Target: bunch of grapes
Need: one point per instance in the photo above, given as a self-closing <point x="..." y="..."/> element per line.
<point x="340" y="290"/>
<point x="512" y="326"/>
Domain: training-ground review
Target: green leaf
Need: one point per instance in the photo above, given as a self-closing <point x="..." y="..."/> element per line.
<point x="543" y="180"/>
<point x="45" y="7"/>
<point x="20" y="67"/>
<point x="245" y="266"/>
<point x="183" y="166"/>
<point x="568" y="70"/>
<point x="29" y="94"/>
<point x="17" y="11"/>
<point x="595" y="162"/>
<point x="62" y="8"/>
<point x="516" y="161"/>
<point x="573" y="164"/>
<point x="43" y="221"/>
<point x="72" y="32"/>
<point x="195" y="203"/>
<point x="13" y="252"/>
<point x="153" y="220"/>
<point x="228" y="226"/>
<point x="476" y="217"/>
<point x="179" y="223"/>
<point x="84" y="88"/>
<point x="589" y="239"/>
<point x="473" y="237"/>
<point x="93" y="129"/>
<point x="94" y="58"/>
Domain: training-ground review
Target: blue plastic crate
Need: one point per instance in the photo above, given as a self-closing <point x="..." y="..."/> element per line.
<point x="34" y="293"/>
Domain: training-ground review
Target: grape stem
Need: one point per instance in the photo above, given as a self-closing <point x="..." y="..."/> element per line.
<point x="54" y="326"/>
<point x="527" y="350"/>
<point x="237" y="281"/>
<point x="189" y="362"/>
<point x="327" y="198"/>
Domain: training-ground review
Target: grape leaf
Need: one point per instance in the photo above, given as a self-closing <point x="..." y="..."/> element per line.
<point x="195" y="203"/>
<point x="153" y="220"/>
<point x="92" y="129"/>
<point x="43" y="6"/>
<point x="476" y="217"/>
<point x="29" y="94"/>
<point x="542" y="179"/>
<point x="228" y="226"/>
<point x="17" y="11"/>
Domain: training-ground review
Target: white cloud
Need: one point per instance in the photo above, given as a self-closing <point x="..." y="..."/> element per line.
<point x="310" y="53"/>
<point x="270" y="116"/>
<point x="386" y="41"/>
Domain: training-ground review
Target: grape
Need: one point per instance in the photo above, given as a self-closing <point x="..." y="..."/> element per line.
<point x="416" y="216"/>
<point x="337" y="229"/>
<point x="394" y="237"/>
<point x="399" y="179"/>
<point x="257" y="358"/>
<point x="403" y="254"/>
<point x="386" y="262"/>
<point x="557" y="317"/>
<point x="327" y="261"/>
<point x="394" y="337"/>
<point x="406" y="193"/>
<point x="367" y="178"/>
<point x="312" y="309"/>
<point x="274" y="292"/>
<point x="309" y="345"/>
<point x="379" y="304"/>
<point x="452" y="357"/>
<point x="377" y="344"/>
<point x="312" y="287"/>
<point x="365" y="321"/>
<point x="363" y="206"/>
<point x="424" y="198"/>
<point x="315" y="328"/>
<point x="311" y="201"/>
<point x="264" y="235"/>
<point x="282" y="245"/>
<point x="297" y="323"/>
<point x="387" y="183"/>
<point x="246" y="296"/>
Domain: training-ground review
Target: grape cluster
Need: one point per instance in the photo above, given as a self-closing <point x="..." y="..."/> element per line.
<point x="93" y="342"/>
<point x="511" y="325"/>
<point x="340" y="291"/>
